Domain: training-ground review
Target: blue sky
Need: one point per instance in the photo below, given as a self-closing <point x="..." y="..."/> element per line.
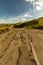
<point x="12" y="11"/>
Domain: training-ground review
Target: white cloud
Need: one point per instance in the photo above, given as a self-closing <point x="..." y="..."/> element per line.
<point x="40" y="2"/>
<point x="10" y="20"/>
<point x="36" y="4"/>
<point x="29" y="0"/>
<point x="3" y="21"/>
<point x="38" y="8"/>
<point x="39" y="5"/>
<point x="27" y="15"/>
<point x="23" y="19"/>
<point x="13" y="18"/>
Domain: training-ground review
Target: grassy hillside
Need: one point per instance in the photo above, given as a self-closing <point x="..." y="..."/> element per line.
<point x="33" y="24"/>
<point x="36" y="24"/>
<point x="4" y="28"/>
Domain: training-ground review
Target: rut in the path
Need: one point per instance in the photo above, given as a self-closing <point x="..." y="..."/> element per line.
<point x="7" y="42"/>
<point x="17" y="49"/>
<point x="25" y="55"/>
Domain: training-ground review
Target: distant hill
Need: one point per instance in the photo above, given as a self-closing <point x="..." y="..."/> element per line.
<point x="34" y="24"/>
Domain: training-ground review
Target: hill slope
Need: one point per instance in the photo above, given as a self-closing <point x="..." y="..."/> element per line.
<point x="36" y="24"/>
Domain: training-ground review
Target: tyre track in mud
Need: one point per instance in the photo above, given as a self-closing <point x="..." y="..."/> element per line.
<point x="7" y="41"/>
<point x="37" y="44"/>
<point x="25" y="51"/>
<point x="18" y="50"/>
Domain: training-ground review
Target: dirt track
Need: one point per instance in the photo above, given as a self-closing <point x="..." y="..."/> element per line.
<point x="15" y="48"/>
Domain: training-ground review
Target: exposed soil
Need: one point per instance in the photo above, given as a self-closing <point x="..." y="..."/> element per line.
<point x="15" y="48"/>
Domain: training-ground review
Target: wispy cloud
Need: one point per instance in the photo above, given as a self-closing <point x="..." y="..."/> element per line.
<point x="29" y="0"/>
<point x="3" y="21"/>
<point x="38" y="4"/>
<point x="27" y="15"/>
<point x="38" y="8"/>
<point x="20" y="18"/>
<point x="13" y="18"/>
